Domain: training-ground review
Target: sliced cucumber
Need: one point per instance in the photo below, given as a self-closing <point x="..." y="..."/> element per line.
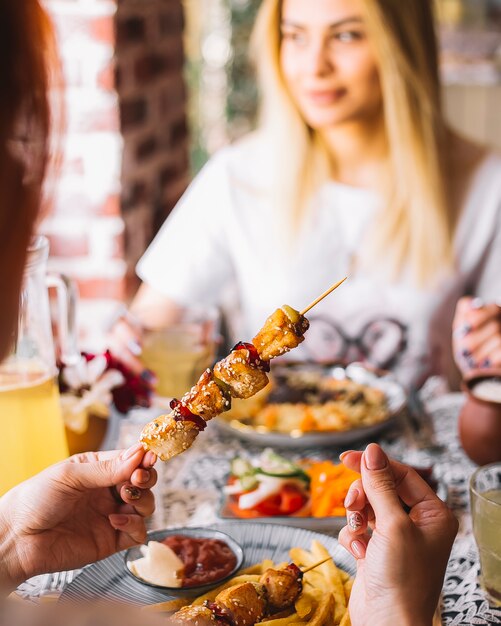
<point x="298" y="474"/>
<point x="240" y="467"/>
<point x="272" y="464"/>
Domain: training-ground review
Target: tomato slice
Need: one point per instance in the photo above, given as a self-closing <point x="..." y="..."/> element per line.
<point x="270" y="506"/>
<point x="292" y="499"/>
<point x="286" y="502"/>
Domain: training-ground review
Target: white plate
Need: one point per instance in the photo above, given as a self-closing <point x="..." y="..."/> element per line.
<point x="108" y="579"/>
<point x="395" y="396"/>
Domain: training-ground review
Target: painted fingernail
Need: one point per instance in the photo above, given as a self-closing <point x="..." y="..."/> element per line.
<point x="351" y="496"/>
<point x="355" y="521"/>
<point x="148" y="376"/>
<point x="135" y="347"/>
<point x="486" y="363"/>
<point x="465" y="352"/>
<point x="375" y="458"/>
<point x="471" y="362"/>
<point x="117" y="519"/>
<point x="131" y="451"/>
<point x="358" y="549"/>
<point x="133" y="493"/>
<point x="461" y="331"/>
<point x="477" y="303"/>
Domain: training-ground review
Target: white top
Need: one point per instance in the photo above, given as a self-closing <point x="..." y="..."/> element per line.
<point x="221" y="233"/>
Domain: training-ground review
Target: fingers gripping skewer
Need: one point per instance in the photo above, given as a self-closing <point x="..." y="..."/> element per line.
<point x="324" y="295"/>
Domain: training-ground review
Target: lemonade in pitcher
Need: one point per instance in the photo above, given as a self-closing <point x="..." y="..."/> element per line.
<point x="32" y="434"/>
<point x="31" y="424"/>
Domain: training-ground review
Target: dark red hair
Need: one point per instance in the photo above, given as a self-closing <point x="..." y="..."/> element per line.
<point x="27" y="65"/>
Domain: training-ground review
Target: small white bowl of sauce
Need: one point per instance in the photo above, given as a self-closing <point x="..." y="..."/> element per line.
<point x="184" y="561"/>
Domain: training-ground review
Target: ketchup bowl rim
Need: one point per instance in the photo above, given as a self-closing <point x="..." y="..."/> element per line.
<point x="200" y="532"/>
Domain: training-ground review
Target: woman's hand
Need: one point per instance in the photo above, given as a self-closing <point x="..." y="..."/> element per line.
<point x="401" y="566"/>
<point x="125" y="343"/>
<point x="476" y="334"/>
<point x="76" y="512"/>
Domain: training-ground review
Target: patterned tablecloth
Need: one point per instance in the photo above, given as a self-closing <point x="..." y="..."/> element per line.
<point x="189" y="488"/>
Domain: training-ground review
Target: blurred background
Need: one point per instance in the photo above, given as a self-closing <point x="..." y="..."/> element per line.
<point x="153" y="87"/>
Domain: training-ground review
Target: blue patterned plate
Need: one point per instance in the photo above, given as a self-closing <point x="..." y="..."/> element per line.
<point x="108" y="579"/>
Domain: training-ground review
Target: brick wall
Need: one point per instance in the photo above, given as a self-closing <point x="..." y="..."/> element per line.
<point x="125" y="147"/>
<point x="152" y="93"/>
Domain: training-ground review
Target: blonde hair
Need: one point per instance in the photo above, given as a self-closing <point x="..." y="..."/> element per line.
<point x="417" y="230"/>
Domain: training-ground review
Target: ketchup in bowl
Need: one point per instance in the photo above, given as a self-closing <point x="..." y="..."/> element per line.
<point x="205" y="560"/>
<point x="184" y="562"/>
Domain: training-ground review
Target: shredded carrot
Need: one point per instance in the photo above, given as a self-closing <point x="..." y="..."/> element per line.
<point x="308" y="422"/>
<point x="329" y="486"/>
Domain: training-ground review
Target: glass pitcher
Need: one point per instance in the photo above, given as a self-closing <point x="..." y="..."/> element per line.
<point x="32" y="434"/>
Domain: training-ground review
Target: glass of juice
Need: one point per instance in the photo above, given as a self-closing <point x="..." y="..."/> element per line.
<point x="485" y="496"/>
<point x="178" y="353"/>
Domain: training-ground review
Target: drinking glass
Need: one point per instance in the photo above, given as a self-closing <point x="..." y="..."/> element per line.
<point x="178" y="353"/>
<point x="31" y="423"/>
<point x="485" y="495"/>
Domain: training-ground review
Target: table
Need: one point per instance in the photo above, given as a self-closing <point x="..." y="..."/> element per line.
<point x="189" y="487"/>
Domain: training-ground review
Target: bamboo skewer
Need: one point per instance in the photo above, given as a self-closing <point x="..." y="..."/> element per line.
<point x="307" y="569"/>
<point x="325" y="294"/>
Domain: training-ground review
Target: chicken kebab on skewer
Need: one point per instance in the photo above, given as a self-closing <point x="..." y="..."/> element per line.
<point x="241" y="374"/>
<point x="247" y="603"/>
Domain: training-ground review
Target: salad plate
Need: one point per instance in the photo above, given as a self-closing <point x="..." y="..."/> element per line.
<point x="305" y="494"/>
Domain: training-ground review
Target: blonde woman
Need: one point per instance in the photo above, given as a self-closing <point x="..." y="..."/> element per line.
<point x="352" y="171"/>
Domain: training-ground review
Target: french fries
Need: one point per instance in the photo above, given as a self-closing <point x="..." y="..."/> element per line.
<point x="323" y="601"/>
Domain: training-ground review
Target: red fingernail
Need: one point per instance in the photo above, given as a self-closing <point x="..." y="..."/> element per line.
<point x="131" y="451"/>
<point x="358" y="549"/>
<point x="351" y="496"/>
<point x="375" y="458"/>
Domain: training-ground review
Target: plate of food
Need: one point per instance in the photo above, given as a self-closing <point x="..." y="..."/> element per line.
<point x="310" y="405"/>
<point x="304" y="493"/>
<point x="317" y="570"/>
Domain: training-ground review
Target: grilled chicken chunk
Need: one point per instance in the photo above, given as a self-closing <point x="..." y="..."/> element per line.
<point x="283" y="587"/>
<point x="243" y="379"/>
<point x="167" y="437"/>
<point x="280" y="333"/>
<point x="246" y="602"/>
<point x="206" y="398"/>
<point x="194" y="615"/>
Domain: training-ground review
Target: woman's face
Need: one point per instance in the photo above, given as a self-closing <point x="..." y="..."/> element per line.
<point x="328" y="63"/>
